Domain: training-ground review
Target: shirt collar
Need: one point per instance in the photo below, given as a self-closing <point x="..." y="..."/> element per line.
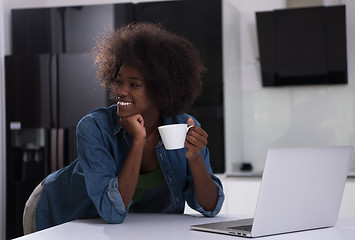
<point x="117" y="128"/>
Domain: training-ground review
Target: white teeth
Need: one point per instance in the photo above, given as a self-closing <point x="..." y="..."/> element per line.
<point x="124" y="103"/>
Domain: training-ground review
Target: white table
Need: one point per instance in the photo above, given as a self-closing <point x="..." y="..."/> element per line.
<point x="173" y="226"/>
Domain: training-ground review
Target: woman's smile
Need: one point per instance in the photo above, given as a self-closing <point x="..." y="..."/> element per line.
<point x="124" y="103"/>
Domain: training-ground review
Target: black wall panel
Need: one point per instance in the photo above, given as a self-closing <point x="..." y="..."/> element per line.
<point x="303" y="46"/>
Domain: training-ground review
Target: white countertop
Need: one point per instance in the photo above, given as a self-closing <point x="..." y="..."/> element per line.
<point x="173" y="226"/>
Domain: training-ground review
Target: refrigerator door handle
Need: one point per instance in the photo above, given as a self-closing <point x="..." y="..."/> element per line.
<point x="60" y="154"/>
<point x="53" y="149"/>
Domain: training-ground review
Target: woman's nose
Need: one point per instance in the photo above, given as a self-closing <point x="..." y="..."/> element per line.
<point x="122" y="90"/>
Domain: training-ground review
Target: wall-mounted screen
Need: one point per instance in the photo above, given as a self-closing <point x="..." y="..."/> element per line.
<point x="302" y="46"/>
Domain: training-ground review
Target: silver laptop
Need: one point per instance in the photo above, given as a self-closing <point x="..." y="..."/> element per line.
<point x="301" y="189"/>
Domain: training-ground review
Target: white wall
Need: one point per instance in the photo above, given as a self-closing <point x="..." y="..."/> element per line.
<point x="282" y="116"/>
<point x="240" y="67"/>
<point x="232" y="88"/>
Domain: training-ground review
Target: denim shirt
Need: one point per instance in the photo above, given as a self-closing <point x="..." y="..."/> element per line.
<point x="88" y="187"/>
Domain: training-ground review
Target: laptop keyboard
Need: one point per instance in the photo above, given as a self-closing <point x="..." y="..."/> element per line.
<point x="246" y="228"/>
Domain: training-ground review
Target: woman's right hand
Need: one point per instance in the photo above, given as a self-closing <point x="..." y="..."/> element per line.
<point x="134" y="125"/>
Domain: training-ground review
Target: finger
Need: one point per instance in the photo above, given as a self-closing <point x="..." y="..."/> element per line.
<point x="199" y="134"/>
<point x="190" y="122"/>
<point x="199" y="142"/>
<point x="192" y="148"/>
<point x="140" y="119"/>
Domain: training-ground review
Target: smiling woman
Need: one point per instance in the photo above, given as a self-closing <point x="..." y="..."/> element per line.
<point x="122" y="165"/>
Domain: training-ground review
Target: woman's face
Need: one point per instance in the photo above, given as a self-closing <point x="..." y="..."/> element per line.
<point x="132" y="93"/>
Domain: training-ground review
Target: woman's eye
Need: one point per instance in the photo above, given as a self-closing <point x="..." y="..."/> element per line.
<point x="135" y="85"/>
<point x="119" y="82"/>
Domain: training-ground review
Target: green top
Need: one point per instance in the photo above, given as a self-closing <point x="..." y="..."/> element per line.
<point x="146" y="182"/>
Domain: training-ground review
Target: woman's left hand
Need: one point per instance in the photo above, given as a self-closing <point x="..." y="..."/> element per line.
<point x="205" y="188"/>
<point x="196" y="140"/>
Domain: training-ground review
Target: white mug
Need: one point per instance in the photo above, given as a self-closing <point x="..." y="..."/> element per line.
<point x="174" y="135"/>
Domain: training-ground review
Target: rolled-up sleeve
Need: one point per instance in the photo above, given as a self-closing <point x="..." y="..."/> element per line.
<point x="100" y="171"/>
<point x="115" y="197"/>
<point x="219" y="203"/>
